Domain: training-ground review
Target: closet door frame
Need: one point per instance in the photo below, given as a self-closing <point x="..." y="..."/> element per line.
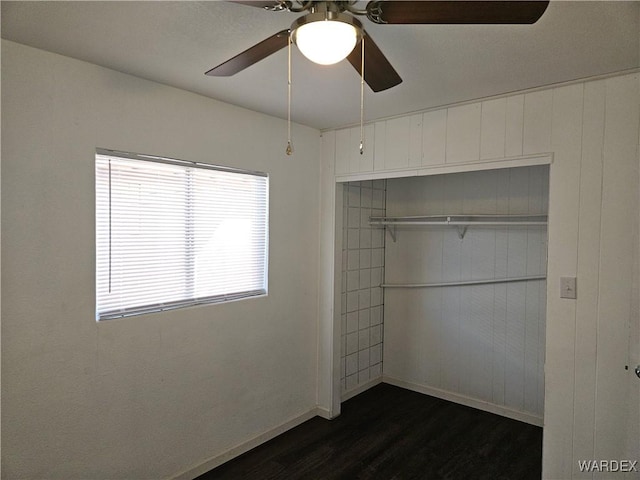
<point x="329" y="388"/>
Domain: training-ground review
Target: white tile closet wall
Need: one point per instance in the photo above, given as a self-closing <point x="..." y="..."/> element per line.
<point x="362" y="274"/>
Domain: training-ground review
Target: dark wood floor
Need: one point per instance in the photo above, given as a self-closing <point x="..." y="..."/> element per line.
<point x="392" y="433"/>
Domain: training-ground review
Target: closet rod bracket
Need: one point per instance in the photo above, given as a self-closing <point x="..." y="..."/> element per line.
<point x="392" y="231"/>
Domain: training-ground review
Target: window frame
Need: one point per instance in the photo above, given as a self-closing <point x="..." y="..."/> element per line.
<point x="189" y="249"/>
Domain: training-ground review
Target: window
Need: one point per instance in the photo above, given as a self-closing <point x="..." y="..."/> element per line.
<point x="171" y="233"/>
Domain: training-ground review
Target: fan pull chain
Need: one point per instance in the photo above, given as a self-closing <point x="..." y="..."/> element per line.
<point x="289" y="149"/>
<point x="362" y="100"/>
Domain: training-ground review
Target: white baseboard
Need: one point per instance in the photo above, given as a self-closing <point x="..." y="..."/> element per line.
<point x="325" y="413"/>
<point x="361" y="388"/>
<point x="244" y="447"/>
<point x="529" y="418"/>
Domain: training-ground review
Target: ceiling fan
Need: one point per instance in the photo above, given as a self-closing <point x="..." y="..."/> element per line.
<point x="329" y="31"/>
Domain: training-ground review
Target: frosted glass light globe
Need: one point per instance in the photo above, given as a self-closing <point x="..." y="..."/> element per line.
<point x="326" y="41"/>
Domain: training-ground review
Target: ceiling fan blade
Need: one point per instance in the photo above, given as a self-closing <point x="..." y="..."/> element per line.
<point x="267" y="5"/>
<point x="378" y="72"/>
<point x="456" y="12"/>
<point x="251" y="55"/>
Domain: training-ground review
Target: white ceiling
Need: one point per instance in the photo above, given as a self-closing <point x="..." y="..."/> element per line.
<point x="176" y="42"/>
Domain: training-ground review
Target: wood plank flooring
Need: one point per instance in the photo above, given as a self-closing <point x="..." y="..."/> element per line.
<point x="392" y="433"/>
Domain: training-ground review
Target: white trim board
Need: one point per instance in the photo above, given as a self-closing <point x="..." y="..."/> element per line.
<point x="493" y="164"/>
<point x="244" y="447"/>
<point x="467" y="401"/>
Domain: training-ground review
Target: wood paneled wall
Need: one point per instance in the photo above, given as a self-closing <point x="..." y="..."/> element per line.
<point x="480" y="344"/>
<point x="591" y="131"/>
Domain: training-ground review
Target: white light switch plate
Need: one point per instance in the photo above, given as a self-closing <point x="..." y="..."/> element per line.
<point x="568" y="287"/>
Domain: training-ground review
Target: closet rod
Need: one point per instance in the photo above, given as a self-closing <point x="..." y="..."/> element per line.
<point x="497" y="220"/>
<point x="462" y="215"/>
<point x="468" y="282"/>
<point x="457" y="223"/>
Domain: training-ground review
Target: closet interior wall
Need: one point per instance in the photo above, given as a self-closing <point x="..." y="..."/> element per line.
<point x="362" y="296"/>
<point x="481" y="345"/>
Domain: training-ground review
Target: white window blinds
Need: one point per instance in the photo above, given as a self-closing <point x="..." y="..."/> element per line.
<point x="171" y="234"/>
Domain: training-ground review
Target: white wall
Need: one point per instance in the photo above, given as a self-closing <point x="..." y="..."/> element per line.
<point x="155" y="395"/>
<point x="481" y="345"/>
<point x="591" y="129"/>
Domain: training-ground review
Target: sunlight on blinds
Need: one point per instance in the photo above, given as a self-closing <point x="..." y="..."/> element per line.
<point x="172" y="234"/>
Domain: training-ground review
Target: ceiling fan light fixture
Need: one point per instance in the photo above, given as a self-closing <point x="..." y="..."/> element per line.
<point x="326" y="39"/>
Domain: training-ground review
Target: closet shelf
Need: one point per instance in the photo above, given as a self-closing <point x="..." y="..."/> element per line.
<point x="464" y="283"/>
<point x="460" y="221"/>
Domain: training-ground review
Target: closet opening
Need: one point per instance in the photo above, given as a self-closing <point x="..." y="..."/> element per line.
<point x="443" y="287"/>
